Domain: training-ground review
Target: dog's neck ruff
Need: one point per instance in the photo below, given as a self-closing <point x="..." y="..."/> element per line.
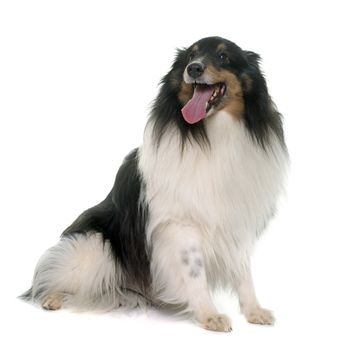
<point x="228" y="190"/>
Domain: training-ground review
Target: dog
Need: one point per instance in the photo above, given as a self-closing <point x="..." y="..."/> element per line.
<point x="188" y="205"/>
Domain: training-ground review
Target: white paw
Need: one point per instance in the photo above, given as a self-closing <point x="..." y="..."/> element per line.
<point x="53" y="302"/>
<point x="260" y="316"/>
<point x="218" y="322"/>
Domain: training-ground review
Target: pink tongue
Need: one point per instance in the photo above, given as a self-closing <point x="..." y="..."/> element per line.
<point x="195" y="110"/>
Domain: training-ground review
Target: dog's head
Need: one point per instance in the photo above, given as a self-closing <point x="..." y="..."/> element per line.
<point x="214" y="75"/>
<point x="213" y="79"/>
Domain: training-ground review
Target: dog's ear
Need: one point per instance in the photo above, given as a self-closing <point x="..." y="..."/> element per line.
<point x="181" y="55"/>
<point x="261" y="115"/>
<point x="175" y="74"/>
<point x="253" y="59"/>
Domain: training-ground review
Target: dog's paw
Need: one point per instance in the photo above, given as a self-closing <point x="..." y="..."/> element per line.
<point x="218" y="322"/>
<point x="53" y="302"/>
<point x="260" y="316"/>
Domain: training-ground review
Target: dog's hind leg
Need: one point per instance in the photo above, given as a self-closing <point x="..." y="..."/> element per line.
<point x="79" y="272"/>
<point x="179" y="276"/>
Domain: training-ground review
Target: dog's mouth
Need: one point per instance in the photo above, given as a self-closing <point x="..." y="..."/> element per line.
<point x="205" y="97"/>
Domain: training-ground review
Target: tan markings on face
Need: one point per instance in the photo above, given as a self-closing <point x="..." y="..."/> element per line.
<point x="186" y="92"/>
<point x="232" y="102"/>
<point x="221" y="47"/>
<point x="247" y="81"/>
<point x="174" y="81"/>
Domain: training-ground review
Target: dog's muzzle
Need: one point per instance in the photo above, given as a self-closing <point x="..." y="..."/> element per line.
<point x="195" y="70"/>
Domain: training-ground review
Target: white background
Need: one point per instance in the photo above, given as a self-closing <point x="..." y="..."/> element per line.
<point x="76" y="82"/>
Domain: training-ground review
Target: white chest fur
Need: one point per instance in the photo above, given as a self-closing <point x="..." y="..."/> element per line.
<point x="228" y="190"/>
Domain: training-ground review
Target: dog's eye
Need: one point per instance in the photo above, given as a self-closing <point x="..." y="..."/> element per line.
<point x="223" y="56"/>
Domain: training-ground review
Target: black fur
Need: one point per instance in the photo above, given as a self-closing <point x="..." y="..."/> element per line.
<point x="122" y="218"/>
<point x="261" y="114"/>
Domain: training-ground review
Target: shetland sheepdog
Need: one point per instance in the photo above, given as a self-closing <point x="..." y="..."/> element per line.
<point x="188" y="205"/>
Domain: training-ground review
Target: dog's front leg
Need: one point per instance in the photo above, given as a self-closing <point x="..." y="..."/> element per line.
<point x="248" y="301"/>
<point x="179" y="276"/>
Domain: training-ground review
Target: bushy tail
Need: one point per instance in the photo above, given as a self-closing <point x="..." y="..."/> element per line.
<point x="27" y="296"/>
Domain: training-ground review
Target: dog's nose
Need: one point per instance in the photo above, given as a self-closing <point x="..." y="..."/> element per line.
<point x="195" y="70"/>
